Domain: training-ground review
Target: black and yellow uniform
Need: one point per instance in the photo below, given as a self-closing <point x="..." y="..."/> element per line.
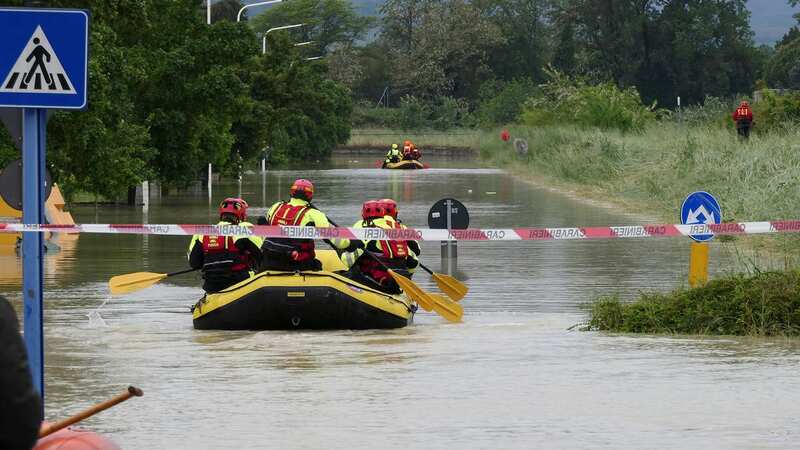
<point x="371" y="270"/>
<point x="287" y="254"/>
<point x="225" y="260"/>
<point x="394" y="155"/>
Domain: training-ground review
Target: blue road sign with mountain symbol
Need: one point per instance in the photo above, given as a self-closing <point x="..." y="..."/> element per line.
<point x="701" y="208"/>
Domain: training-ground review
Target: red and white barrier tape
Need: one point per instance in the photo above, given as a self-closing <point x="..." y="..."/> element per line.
<point x="424" y="234"/>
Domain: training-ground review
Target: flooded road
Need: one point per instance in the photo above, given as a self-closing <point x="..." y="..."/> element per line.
<point x="511" y="376"/>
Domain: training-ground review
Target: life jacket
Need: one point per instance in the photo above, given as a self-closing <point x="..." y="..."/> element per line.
<point x="393" y="255"/>
<point x="743" y="113"/>
<point x="291" y="215"/>
<point x="222" y="259"/>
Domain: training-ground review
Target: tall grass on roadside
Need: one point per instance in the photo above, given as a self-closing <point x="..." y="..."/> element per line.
<point x="763" y="304"/>
<point x="657" y="168"/>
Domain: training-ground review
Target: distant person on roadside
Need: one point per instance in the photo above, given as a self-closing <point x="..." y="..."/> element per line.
<point x="226" y="260"/>
<point x="393" y="156"/>
<point x="21" y="411"/>
<point x="287" y="254"/>
<point x="743" y="118"/>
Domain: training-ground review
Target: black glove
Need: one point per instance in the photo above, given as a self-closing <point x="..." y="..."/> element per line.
<point x="411" y="263"/>
<point x="356" y="244"/>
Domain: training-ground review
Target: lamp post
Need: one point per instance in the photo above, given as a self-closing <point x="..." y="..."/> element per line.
<point x="285" y="27"/>
<point x="239" y="15"/>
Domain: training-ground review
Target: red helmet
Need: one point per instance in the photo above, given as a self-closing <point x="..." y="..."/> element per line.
<point x="234" y="206"/>
<point x="389" y="207"/>
<point x="372" y="209"/>
<point x="302" y="188"/>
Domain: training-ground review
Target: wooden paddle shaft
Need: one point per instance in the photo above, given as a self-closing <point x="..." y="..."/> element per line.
<point x="52" y="428"/>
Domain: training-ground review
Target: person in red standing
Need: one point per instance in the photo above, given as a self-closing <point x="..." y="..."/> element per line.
<point x="743" y="118"/>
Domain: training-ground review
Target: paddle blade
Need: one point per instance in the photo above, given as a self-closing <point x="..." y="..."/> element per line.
<point x="453" y="288"/>
<point x="413" y="291"/>
<point x="447" y="308"/>
<point x="131" y="282"/>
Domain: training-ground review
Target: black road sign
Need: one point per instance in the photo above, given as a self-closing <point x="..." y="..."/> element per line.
<point x="11" y="184"/>
<point x="459" y="217"/>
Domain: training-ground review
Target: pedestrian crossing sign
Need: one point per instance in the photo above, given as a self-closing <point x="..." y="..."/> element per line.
<point x="43" y="59"/>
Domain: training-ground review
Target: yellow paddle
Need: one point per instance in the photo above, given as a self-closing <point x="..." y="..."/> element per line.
<point x="447" y="308"/>
<point x="412" y="290"/>
<point x="416" y="293"/>
<point x="132" y="282"/>
<point x="449" y="285"/>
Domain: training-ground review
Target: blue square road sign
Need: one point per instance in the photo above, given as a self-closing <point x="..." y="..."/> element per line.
<point x="43" y="58"/>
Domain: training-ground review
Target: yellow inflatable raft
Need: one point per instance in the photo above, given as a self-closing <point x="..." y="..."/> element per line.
<point x="405" y="164"/>
<point x="302" y="300"/>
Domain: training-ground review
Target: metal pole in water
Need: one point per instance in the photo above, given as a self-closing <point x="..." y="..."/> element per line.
<point x="34" y="131"/>
<point x="698" y="264"/>
<point x="209" y="183"/>
<point x="449" y="242"/>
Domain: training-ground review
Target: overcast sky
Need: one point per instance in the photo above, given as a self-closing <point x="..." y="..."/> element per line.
<point x="771" y="19"/>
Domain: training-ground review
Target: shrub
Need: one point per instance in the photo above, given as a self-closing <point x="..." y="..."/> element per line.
<point x="501" y="103"/>
<point x="573" y="100"/>
<point x="777" y="111"/>
<point x="765" y="304"/>
<point x="367" y="115"/>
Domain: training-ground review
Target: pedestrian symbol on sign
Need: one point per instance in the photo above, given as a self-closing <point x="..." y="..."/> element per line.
<point x="38" y="69"/>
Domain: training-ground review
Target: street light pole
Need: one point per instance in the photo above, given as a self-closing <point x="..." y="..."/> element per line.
<point x="239" y="15"/>
<point x="285" y="27"/>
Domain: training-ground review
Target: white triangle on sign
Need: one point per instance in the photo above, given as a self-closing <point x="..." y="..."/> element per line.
<point x="38" y="70"/>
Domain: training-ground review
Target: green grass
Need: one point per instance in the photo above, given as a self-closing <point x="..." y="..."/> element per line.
<point x="656" y="169"/>
<point x="384" y="137"/>
<point x="764" y="304"/>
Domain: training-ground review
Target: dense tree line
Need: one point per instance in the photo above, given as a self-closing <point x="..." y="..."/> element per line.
<point x="467" y="49"/>
<point x="170" y="94"/>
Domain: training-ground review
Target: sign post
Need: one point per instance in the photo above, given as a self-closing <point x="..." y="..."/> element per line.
<point x="43" y="64"/>
<point x="700" y="208"/>
<point x="450" y="214"/>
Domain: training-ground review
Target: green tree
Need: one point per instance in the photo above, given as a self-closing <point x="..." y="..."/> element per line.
<point x="523" y="52"/>
<point x="448" y="51"/>
<point x="329" y="23"/>
<point x="305" y="113"/>
<point x="226" y="10"/>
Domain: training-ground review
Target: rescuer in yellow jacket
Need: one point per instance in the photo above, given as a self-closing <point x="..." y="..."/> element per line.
<point x="288" y="254"/>
<point x="394" y="155"/>
<point x="372" y="269"/>
<point x="390" y="215"/>
<point x="226" y="260"/>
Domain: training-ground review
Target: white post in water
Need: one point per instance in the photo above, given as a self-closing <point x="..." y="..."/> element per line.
<point x="209" y="183"/>
<point x="145" y="196"/>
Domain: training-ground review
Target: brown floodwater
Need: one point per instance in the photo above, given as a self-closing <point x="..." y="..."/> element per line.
<point x="513" y="375"/>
